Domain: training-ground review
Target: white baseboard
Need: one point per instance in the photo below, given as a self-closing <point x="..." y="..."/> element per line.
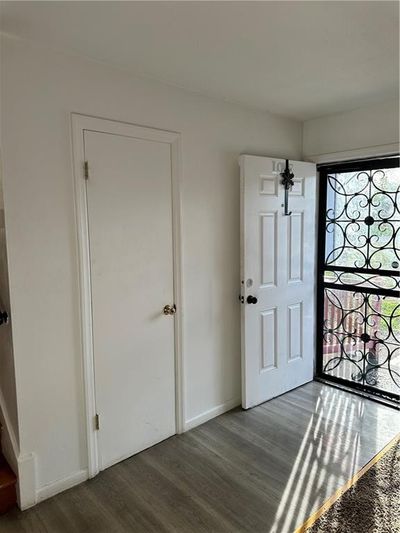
<point x="60" y="485"/>
<point x="29" y="495"/>
<point x="26" y="481"/>
<point x="211" y="413"/>
<point x="82" y="475"/>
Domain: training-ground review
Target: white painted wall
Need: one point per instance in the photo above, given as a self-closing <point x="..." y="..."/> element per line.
<point x="39" y="90"/>
<point x="370" y="130"/>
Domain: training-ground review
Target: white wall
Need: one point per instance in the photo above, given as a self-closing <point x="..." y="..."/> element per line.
<point x="371" y="130"/>
<point x="39" y="90"/>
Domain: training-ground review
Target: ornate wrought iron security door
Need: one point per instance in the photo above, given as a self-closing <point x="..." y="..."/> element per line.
<point x="359" y="276"/>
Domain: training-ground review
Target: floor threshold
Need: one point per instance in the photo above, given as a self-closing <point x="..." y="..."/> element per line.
<point x="379" y="399"/>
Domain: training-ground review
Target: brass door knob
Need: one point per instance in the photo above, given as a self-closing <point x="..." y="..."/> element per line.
<point x="169" y="309"/>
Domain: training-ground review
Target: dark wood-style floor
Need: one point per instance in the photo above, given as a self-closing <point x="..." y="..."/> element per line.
<point x="262" y="470"/>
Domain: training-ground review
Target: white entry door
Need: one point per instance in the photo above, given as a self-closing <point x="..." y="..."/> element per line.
<point x="278" y="278"/>
<point x="131" y="258"/>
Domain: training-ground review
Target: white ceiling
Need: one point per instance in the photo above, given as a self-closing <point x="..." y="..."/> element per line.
<point x="299" y="59"/>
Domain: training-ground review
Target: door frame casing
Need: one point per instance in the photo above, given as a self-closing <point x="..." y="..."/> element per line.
<point x="79" y="124"/>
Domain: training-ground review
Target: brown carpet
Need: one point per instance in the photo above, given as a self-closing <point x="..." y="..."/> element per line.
<point x="372" y="505"/>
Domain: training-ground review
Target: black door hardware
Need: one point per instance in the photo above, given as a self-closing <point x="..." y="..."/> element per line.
<point x="251" y="300"/>
<point x="287" y="182"/>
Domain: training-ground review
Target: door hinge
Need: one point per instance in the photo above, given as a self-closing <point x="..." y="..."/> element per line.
<point x="86" y="170"/>
<point x="96" y="422"/>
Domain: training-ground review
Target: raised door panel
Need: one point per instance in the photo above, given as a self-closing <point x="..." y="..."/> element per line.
<point x="269" y="341"/>
<point x="295" y="331"/>
<point x="268" y="253"/>
<point x="295" y="254"/>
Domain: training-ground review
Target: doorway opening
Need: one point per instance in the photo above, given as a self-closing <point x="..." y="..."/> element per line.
<point x="358" y="311"/>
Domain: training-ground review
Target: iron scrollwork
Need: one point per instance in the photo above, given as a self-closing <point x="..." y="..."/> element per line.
<point x="362" y="337"/>
<point x="287" y="182"/>
<point x="364" y="218"/>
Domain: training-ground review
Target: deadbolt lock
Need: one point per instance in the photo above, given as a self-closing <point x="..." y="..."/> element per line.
<point x="169" y="309"/>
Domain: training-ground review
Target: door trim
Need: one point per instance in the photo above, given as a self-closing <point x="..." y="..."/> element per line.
<point x="80" y="123"/>
<point x="368" y="152"/>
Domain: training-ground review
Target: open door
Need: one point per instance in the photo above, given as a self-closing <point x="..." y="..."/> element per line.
<point x="277" y="277"/>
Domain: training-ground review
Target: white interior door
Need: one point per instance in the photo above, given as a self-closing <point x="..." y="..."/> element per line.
<point x="277" y="272"/>
<point x="131" y="256"/>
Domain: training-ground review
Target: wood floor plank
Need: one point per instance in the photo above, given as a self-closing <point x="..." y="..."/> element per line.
<point x="264" y="470"/>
